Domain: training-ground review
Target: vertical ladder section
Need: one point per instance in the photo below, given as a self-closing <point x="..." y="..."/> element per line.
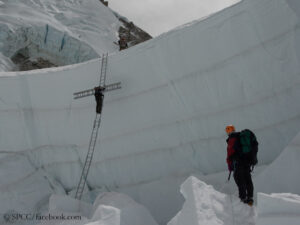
<point x="103" y="70"/>
<point x="93" y="139"/>
<point x="89" y="157"/>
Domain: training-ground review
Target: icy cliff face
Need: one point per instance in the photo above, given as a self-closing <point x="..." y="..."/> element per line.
<point x="48" y="43"/>
<point x="5" y="63"/>
<point x="63" y="32"/>
<point x="179" y="90"/>
<point x="278" y="209"/>
<point x="281" y="174"/>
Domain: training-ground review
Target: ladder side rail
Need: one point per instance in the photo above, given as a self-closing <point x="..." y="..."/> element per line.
<point x="89" y="157"/>
<point x="90" y="154"/>
<point x="103" y="70"/>
<point x="103" y="67"/>
<point x="82" y="181"/>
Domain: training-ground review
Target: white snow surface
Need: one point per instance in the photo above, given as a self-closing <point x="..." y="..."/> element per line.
<point x="206" y="206"/>
<point x="131" y="213"/>
<point x="108" y="209"/>
<point x="179" y="90"/>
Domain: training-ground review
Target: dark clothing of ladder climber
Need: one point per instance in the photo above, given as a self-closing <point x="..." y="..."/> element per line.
<point x="99" y="99"/>
<point x="98" y="93"/>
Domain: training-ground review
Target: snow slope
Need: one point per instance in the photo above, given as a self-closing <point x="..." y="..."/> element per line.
<point x="179" y="90"/>
<point x="206" y="206"/>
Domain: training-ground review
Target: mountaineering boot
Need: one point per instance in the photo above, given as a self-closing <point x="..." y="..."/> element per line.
<point x="250" y="201"/>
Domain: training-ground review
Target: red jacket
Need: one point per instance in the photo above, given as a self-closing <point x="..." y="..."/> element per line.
<point x="232" y="149"/>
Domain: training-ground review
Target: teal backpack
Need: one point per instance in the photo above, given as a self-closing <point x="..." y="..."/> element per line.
<point x="249" y="147"/>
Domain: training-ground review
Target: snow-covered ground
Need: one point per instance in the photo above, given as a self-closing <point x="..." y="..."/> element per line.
<point x="108" y="209"/>
<point x="206" y="206"/>
<point x="179" y="90"/>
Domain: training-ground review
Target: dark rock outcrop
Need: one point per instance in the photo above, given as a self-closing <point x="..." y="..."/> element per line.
<point x="133" y="34"/>
<point x="25" y="63"/>
<point x="104" y="2"/>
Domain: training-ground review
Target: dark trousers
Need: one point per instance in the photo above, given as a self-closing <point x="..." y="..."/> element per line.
<point x="99" y="100"/>
<point x="242" y="177"/>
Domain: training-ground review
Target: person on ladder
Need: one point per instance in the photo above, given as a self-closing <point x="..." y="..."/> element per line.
<point x="241" y="157"/>
<point x="99" y="99"/>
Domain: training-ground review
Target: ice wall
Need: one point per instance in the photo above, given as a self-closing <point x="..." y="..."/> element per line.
<point x="278" y="209"/>
<point x="281" y="175"/>
<point x="239" y="66"/>
<point x="179" y="90"/>
<point x="46" y="42"/>
<point x="23" y="188"/>
<point x="5" y="63"/>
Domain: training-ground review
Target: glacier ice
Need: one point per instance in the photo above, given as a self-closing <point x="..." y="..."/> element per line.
<point x="5" y="63"/>
<point x="278" y="209"/>
<point x="206" y="206"/>
<point x="63" y="32"/>
<point x="179" y="90"/>
<point x="280" y="175"/>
